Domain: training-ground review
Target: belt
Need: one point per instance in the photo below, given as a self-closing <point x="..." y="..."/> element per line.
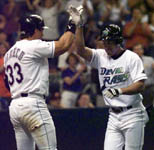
<point x="120" y="109"/>
<point x="27" y="94"/>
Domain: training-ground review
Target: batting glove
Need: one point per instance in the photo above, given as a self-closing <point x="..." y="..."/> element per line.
<point x="110" y="93"/>
<point x="76" y="15"/>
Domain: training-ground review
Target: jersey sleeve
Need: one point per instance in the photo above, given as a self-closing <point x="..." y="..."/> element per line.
<point x="94" y="60"/>
<point x="137" y="69"/>
<point x="45" y="49"/>
<point x="97" y="54"/>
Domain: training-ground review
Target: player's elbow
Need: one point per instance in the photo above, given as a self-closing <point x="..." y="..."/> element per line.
<point x="141" y="86"/>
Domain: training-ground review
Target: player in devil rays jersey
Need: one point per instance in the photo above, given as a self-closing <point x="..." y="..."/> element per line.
<point x="121" y="76"/>
<point x="26" y="68"/>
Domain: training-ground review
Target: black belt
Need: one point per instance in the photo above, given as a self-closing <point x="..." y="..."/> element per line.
<point x="120" y="109"/>
<point x="26" y="95"/>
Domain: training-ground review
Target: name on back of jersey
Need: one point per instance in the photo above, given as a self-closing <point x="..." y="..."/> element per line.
<point x="14" y="53"/>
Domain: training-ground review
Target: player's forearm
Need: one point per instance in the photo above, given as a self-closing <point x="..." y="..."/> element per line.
<point x="80" y="41"/>
<point x="133" y="88"/>
<point x="64" y="43"/>
<point x="67" y="40"/>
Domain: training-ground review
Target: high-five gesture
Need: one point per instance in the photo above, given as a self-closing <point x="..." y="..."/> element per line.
<point x="76" y="15"/>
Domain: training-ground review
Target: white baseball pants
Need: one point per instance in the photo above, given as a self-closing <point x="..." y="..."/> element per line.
<point x="126" y="129"/>
<point x="32" y="124"/>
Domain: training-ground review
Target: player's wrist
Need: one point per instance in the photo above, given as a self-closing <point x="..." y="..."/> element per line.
<point x="71" y="27"/>
<point x="120" y="91"/>
<point x="80" y="25"/>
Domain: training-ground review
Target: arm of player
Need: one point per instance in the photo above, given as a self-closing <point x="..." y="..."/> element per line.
<point x="63" y="44"/>
<point x="67" y="39"/>
<point x="76" y="15"/>
<point x="134" y="88"/>
<point x="83" y="51"/>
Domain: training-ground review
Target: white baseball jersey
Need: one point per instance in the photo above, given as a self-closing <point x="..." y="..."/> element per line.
<point x="26" y="66"/>
<point x="118" y="73"/>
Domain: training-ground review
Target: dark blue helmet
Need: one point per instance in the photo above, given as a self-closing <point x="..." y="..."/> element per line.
<point x="112" y="32"/>
<point x="29" y="23"/>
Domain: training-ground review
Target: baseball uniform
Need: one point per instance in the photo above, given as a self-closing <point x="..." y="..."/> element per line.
<point x="26" y="66"/>
<point x="126" y="126"/>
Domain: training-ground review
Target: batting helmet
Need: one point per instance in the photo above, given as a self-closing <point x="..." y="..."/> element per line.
<point x="29" y="23"/>
<point x="112" y="32"/>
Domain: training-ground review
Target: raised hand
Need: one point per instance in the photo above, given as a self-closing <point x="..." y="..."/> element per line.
<point x="76" y="15"/>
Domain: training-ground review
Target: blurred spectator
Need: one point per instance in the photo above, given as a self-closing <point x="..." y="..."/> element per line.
<point x="135" y="31"/>
<point x="148" y="63"/>
<point x="132" y="4"/>
<point x="49" y="10"/>
<point x="3" y="39"/>
<point x="86" y="75"/>
<point x="151" y="21"/>
<point x="150" y="48"/>
<point x="2" y="3"/>
<point x="100" y="13"/>
<point x="30" y="7"/>
<point x="149" y="4"/>
<point x="55" y="80"/>
<point x="54" y="101"/>
<point x="91" y="31"/>
<point x="84" y="101"/>
<point x="115" y="12"/>
<point x="2" y="22"/>
<point x="143" y="5"/>
<point x="62" y="64"/>
<point x="5" y="96"/>
<point x="12" y="13"/>
<point x="72" y="84"/>
<point x="145" y="15"/>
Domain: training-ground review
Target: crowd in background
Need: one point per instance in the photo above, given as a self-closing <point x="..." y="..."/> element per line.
<point x="73" y="84"/>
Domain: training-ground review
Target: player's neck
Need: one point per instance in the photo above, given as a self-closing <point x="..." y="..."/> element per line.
<point x="119" y="53"/>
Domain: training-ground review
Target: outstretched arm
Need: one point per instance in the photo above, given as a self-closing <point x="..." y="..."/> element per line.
<point x="76" y="15"/>
<point x="83" y="51"/>
<point x="63" y="44"/>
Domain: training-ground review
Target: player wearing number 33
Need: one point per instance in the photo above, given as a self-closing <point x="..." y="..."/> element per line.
<point x="26" y="68"/>
<point x="121" y="76"/>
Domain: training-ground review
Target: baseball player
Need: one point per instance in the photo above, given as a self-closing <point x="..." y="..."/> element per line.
<point x="121" y="76"/>
<point x="26" y="69"/>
